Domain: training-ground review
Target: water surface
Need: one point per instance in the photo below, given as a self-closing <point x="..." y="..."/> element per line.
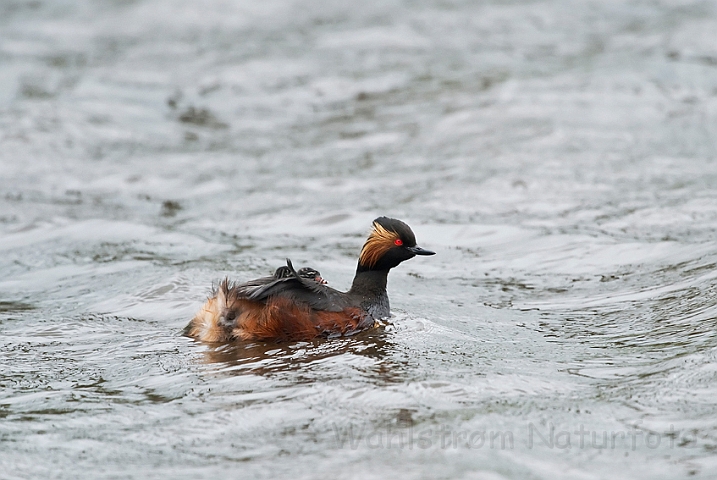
<point x="559" y="156"/>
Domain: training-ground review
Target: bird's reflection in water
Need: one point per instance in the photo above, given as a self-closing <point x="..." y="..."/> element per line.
<point x="270" y="358"/>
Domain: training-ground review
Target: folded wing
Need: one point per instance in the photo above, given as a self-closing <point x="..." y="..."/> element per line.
<point x="310" y="292"/>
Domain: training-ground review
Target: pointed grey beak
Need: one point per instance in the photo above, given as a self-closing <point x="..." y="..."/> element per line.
<point x="419" y="251"/>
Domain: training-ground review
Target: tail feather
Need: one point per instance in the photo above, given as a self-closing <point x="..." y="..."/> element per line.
<point x="210" y="322"/>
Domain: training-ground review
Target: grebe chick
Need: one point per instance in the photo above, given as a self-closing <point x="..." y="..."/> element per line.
<point x="247" y="288"/>
<point x="289" y="306"/>
<point x="306" y="272"/>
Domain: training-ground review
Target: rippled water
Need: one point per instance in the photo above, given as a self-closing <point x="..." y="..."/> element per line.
<point x="560" y="156"/>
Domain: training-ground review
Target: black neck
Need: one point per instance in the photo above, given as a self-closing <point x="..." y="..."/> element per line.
<point x="369" y="283"/>
<point x="369" y="290"/>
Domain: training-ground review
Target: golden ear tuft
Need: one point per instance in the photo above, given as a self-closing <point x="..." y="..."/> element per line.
<point x="377" y="244"/>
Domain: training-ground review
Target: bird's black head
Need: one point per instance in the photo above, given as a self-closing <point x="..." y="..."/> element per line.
<point x="390" y="242"/>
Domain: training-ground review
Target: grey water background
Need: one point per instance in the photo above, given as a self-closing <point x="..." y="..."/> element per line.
<point x="560" y="156"/>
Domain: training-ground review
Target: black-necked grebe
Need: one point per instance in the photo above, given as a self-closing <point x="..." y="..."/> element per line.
<point x="293" y="305"/>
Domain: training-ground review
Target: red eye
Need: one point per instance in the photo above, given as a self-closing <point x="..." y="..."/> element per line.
<point x="398" y="242"/>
